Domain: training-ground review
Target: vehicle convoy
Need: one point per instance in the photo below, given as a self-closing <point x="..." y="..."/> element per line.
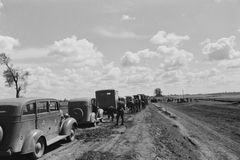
<point x="28" y="125"/>
<point x="107" y="98"/>
<point x="84" y="110"/>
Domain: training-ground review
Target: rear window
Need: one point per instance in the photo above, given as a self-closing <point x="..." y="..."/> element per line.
<point x="6" y="110"/>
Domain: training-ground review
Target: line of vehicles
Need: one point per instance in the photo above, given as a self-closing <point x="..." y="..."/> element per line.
<point x="29" y="125"/>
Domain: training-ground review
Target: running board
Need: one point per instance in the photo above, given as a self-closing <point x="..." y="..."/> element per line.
<point x="58" y="138"/>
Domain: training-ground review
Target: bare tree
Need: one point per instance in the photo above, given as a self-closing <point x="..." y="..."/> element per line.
<point x="14" y="76"/>
<point x="158" y="92"/>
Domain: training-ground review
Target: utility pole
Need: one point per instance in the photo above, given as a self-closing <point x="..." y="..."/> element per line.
<point x="183" y="94"/>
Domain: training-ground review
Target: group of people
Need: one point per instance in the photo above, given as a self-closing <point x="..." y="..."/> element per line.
<point x="135" y="105"/>
<point x="119" y="111"/>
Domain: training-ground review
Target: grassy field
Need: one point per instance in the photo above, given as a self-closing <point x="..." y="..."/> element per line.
<point x="224" y="97"/>
<point x="224" y="117"/>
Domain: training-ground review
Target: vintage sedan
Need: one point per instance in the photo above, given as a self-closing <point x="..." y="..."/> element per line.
<point x="85" y="110"/>
<point x="28" y="125"/>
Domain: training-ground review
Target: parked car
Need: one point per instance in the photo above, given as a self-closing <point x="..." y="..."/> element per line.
<point x="85" y="110"/>
<point x="28" y="125"/>
<point x="107" y="98"/>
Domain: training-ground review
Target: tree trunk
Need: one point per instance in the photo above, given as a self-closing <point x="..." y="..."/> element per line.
<point x="18" y="89"/>
<point x="17" y="93"/>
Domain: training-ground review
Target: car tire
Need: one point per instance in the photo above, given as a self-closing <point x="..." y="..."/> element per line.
<point x="78" y="113"/>
<point x="39" y="148"/>
<point x="72" y="135"/>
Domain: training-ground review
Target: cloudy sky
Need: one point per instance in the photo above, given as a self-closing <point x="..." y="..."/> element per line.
<point x="74" y="47"/>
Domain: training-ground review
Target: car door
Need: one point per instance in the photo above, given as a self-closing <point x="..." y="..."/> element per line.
<point x="54" y="118"/>
<point x="42" y="118"/>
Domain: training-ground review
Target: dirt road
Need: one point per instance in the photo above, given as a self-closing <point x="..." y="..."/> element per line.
<point x="157" y="132"/>
<point x="146" y="135"/>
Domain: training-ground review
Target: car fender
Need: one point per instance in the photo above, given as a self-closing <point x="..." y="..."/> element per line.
<point x="30" y="141"/>
<point x="67" y="125"/>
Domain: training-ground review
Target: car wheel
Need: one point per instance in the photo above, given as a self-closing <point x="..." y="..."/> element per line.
<point x="72" y="135"/>
<point x="39" y="148"/>
<point x="78" y="114"/>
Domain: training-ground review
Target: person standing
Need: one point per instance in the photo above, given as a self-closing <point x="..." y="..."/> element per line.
<point x="110" y="112"/>
<point x="120" y="111"/>
<point x="130" y="105"/>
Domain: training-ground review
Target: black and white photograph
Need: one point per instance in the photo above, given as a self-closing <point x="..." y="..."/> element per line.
<point x="120" y="79"/>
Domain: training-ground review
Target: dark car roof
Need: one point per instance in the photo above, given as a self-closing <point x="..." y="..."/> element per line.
<point x="19" y="102"/>
<point x="105" y="90"/>
<point x="81" y="99"/>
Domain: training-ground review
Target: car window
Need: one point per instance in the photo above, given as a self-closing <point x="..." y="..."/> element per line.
<point x="53" y="106"/>
<point x="42" y="107"/>
<point x="28" y="109"/>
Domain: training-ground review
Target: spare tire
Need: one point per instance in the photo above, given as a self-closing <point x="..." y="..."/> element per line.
<point x="1" y="133"/>
<point x="77" y="114"/>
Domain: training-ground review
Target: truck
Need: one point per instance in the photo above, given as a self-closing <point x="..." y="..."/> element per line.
<point x="107" y="98"/>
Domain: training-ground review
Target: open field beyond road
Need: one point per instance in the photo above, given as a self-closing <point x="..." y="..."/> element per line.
<point x="214" y="126"/>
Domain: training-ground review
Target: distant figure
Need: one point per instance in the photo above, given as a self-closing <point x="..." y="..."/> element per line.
<point x="95" y="107"/>
<point x="137" y="104"/>
<point x="120" y="111"/>
<point x="110" y="112"/>
<point x="130" y="105"/>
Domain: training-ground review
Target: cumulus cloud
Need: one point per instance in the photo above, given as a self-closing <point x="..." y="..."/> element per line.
<point x="203" y="74"/>
<point x="138" y="78"/>
<point x="137" y="75"/>
<point x="171" y="76"/>
<point x="42" y="78"/>
<point x="88" y="72"/>
<point x="1" y="5"/>
<point x="174" y="58"/>
<point x="127" y="17"/>
<point x="230" y="64"/>
<point x="110" y="72"/>
<point x="76" y="52"/>
<point x="168" y="39"/>
<point x="131" y="59"/>
<point x="44" y="82"/>
<point x="222" y="49"/>
<point x="207" y="41"/>
<point x="7" y="43"/>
